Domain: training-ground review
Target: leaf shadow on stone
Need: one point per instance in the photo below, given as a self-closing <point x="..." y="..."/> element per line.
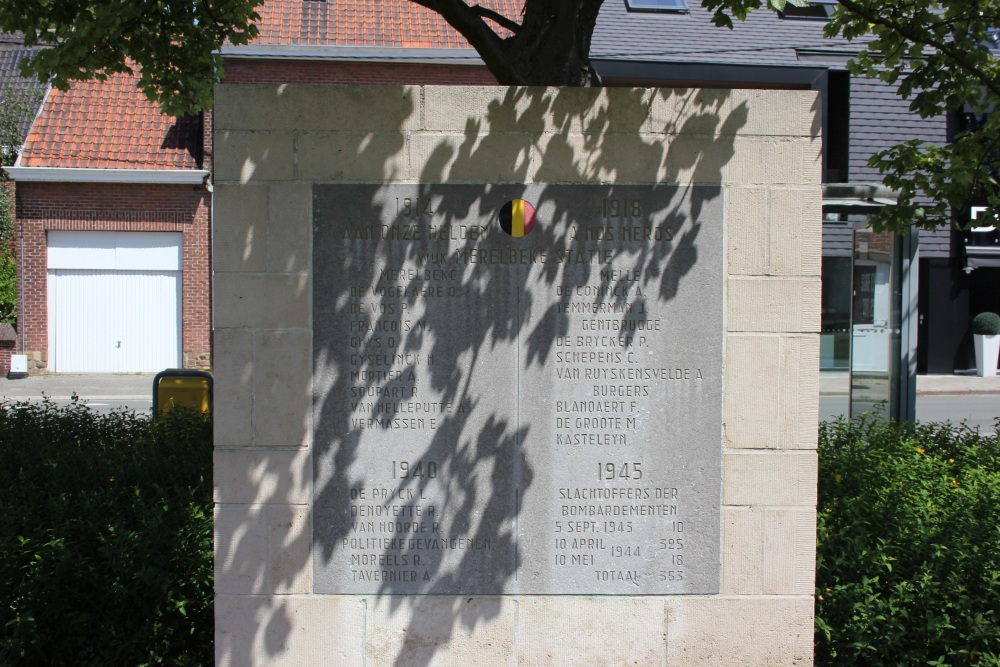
<point x="477" y="444"/>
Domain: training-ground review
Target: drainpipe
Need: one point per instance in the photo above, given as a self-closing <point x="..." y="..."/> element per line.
<point x="20" y="283"/>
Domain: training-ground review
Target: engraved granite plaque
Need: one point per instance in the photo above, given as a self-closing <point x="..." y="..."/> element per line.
<point x="517" y="389"/>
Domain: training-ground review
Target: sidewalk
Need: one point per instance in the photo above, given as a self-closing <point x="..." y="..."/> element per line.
<point x="957" y="384"/>
<point x="837" y="383"/>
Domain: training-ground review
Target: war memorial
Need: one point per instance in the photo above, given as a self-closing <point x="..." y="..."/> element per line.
<point x="515" y="376"/>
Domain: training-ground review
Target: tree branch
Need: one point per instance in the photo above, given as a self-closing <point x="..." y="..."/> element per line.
<point x="502" y="20"/>
<point x="470" y="24"/>
<point x="912" y="32"/>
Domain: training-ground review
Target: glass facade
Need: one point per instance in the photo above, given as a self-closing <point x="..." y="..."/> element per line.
<point x="865" y="346"/>
<point x="656" y="5"/>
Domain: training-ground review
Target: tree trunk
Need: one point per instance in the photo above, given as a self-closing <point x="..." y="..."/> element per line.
<point x="553" y="46"/>
<point x="550" y="47"/>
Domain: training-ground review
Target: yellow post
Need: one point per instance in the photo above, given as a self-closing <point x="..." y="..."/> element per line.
<point x="185" y="388"/>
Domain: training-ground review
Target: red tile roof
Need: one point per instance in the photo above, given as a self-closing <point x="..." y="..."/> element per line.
<point x="110" y="125"/>
<point x="383" y="23"/>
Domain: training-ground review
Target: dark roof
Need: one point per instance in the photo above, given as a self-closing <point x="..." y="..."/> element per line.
<point x="764" y="38"/>
<point x="12" y="84"/>
<point x="881" y="119"/>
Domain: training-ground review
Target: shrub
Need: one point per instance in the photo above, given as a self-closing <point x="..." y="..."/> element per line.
<point x="106" y="534"/>
<point x="8" y="288"/>
<point x="986" y="324"/>
<point x="908" y="557"/>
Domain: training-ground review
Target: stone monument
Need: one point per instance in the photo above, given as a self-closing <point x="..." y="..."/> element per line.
<point x="516" y="376"/>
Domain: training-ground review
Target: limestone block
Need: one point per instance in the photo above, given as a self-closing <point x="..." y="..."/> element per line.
<point x="351" y="156"/>
<point x="282" y="407"/>
<point x="761" y="160"/>
<point x="246" y="157"/>
<point x="769" y="478"/>
<point x="752" y="394"/>
<point x="316" y="107"/>
<point x="289" y="231"/>
<point x="811" y="106"/>
<point x="470" y="158"/>
<point x="812" y="114"/>
<point x="621" y="159"/>
<point x="768" y="551"/>
<point x="796" y="232"/>
<point x="789" y="550"/>
<point x="773" y="304"/>
<point x="693" y="111"/>
<point x="289" y="631"/>
<point x="262" y="549"/>
<point x="565" y="158"/>
<point x="789" y="112"/>
<point x="747" y="230"/>
<point x="233" y="388"/>
<point x="486" y="109"/>
<point x="262" y="476"/>
<point x="437" y="631"/>
<point x="739" y="631"/>
<point x="241" y="549"/>
<point x="239" y="238"/>
<point x="621" y="112"/>
<point x="581" y="158"/>
<point x="498" y="109"/>
<point x="720" y="112"/>
<point x="289" y="545"/>
<point x="264" y="301"/>
<point x="701" y="159"/>
<point x="799" y="391"/>
<point x="591" y="632"/>
<point x="742" y="548"/>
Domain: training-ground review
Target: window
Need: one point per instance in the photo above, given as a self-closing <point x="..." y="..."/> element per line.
<point x="656" y="5"/>
<point x="816" y="9"/>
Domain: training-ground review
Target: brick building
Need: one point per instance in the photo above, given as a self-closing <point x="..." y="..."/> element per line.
<point x="114" y="209"/>
<point x="22" y="97"/>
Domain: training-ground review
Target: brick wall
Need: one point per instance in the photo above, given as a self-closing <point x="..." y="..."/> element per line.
<point x="42" y="207"/>
<point x="319" y="72"/>
<point x="8" y="339"/>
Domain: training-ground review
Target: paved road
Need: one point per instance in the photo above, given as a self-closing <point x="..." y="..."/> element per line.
<point x="103" y="393"/>
<point x="978" y="410"/>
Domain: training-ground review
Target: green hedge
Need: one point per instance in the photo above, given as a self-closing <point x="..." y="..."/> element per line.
<point x="105" y="538"/>
<point x="8" y="287"/>
<point x="106" y="541"/>
<point x="908" y="559"/>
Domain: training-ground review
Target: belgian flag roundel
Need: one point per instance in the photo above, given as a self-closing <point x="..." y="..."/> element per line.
<point x="517" y="218"/>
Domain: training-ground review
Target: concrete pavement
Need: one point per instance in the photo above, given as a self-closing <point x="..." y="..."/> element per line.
<point x="101" y="391"/>
<point x="61" y="386"/>
<point x="957" y="384"/>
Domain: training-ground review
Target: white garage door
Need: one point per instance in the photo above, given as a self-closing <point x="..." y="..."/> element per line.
<point x="114" y="301"/>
